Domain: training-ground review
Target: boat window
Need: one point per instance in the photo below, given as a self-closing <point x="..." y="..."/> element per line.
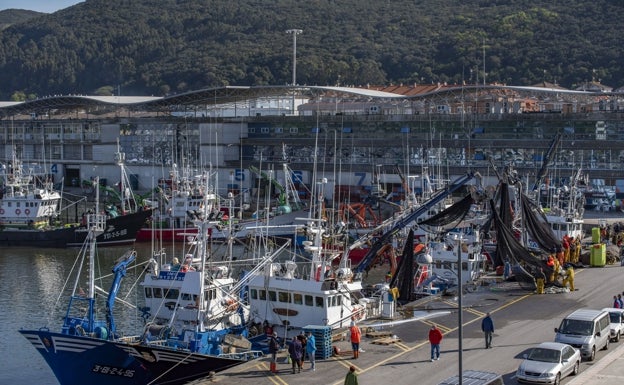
<point x="297" y="298"/>
<point x="262" y="295"/>
<point x="283" y="296"/>
<point x="334" y="300"/>
<point x="148" y="292"/>
<point x="319" y="302"/>
<point x="339" y="300"/>
<point x="187" y="297"/>
<point x="157" y="292"/>
<point x="254" y="294"/>
<point x="465" y="266"/>
<point x="172" y="294"/>
<point x="309" y="300"/>
<point x="272" y="296"/>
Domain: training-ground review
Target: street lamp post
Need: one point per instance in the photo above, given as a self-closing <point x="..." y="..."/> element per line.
<point x="294" y="32"/>
<point x="459" y="313"/>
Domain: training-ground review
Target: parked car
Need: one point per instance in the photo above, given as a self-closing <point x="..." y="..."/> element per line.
<point x="548" y="363"/>
<point x="616" y="317"/>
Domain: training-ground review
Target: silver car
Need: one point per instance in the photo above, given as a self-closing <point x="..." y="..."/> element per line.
<point x="548" y="363"/>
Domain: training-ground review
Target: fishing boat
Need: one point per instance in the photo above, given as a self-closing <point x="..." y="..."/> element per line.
<point x="31" y="213"/>
<point x="306" y="290"/>
<point x="174" y="221"/>
<point x="192" y="318"/>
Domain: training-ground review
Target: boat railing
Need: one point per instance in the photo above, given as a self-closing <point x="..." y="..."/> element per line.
<point x="245" y="355"/>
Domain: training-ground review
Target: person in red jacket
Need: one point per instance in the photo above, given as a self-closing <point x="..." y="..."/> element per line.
<point x="435" y="337"/>
<point x="355" y="337"/>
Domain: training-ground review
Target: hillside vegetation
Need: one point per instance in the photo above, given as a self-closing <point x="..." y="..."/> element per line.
<point x="12" y="16"/>
<point x="157" y="47"/>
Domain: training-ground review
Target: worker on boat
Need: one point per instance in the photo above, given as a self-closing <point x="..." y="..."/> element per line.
<point x="569" y="277"/>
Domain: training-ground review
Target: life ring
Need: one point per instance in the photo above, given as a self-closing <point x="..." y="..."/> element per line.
<point x="18" y="211"/>
<point x="27" y="211"/>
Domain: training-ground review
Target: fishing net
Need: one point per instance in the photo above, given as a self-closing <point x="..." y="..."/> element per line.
<point x="450" y="217"/>
<point x="403" y="279"/>
<point x="538" y="227"/>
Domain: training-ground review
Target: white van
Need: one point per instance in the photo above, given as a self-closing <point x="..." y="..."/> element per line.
<point x="586" y="329"/>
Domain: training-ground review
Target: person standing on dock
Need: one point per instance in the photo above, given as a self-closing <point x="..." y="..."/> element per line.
<point x="310" y="349"/>
<point x="295" y="350"/>
<point x="435" y="338"/>
<point x="487" y="326"/>
<point x="274" y="349"/>
<point x="355" y="337"/>
<point x="540" y="279"/>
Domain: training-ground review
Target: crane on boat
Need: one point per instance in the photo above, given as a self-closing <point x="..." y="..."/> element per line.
<point x="404" y="220"/>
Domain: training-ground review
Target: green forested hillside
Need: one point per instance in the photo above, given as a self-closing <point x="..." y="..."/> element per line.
<point x="12" y="16"/>
<point x="155" y="47"/>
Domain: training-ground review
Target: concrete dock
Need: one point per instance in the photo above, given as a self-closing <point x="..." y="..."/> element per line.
<point x="522" y="319"/>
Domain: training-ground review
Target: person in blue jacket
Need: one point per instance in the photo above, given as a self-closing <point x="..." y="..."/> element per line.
<point x="487" y="325"/>
<point x="311" y="350"/>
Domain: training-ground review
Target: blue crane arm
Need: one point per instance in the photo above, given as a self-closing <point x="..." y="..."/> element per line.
<point x="119" y="271"/>
<point x="403" y="222"/>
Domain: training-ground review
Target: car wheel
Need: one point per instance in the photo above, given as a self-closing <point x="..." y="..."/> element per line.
<point x="557" y="379"/>
<point x="617" y="337"/>
<point x="592" y="355"/>
<point x="606" y="347"/>
<point x="575" y="371"/>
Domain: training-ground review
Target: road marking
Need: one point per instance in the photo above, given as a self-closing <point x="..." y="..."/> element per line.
<point x="421" y="344"/>
<point x="443" y="328"/>
<point x="475" y="312"/>
<point x="274" y="378"/>
<point x="402" y="346"/>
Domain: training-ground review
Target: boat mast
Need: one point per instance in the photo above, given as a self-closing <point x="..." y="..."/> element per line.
<point x="96" y="223"/>
<point x="119" y="158"/>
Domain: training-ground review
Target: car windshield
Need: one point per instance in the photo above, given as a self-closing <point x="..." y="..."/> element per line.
<point x="544" y="355"/>
<point x="570" y="326"/>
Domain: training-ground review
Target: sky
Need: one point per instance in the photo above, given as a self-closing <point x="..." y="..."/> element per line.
<point x="47" y="6"/>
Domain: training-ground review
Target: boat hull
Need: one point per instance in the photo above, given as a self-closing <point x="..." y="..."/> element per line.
<point x="84" y="360"/>
<point x="121" y="230"/>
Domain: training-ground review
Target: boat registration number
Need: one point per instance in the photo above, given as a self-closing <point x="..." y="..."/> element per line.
<point x="113" y="371"/>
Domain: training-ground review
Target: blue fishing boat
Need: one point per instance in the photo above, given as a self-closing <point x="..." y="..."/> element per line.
<point x="194" y="322"/>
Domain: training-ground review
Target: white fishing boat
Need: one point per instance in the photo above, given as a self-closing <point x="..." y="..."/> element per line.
<point x="443" y="254"/>
<point x="296" y="294"/>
